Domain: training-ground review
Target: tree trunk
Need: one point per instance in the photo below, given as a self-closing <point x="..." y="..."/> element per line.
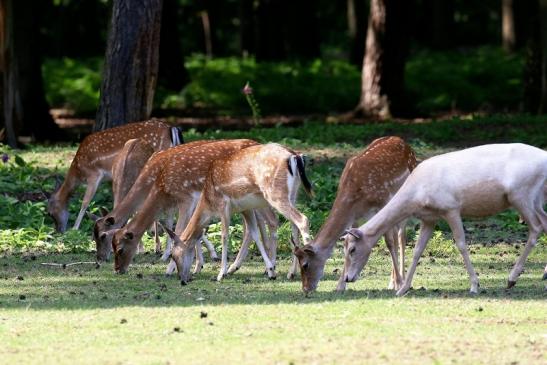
<point x="382" y="79"/>
<point x="131" y="65"/>
<point x="25" y="108"/>
<point x="172" y="72"/>
<point x="356" y="15"/>
<point x="507" y="26"/>
<point x="301" y="34"/>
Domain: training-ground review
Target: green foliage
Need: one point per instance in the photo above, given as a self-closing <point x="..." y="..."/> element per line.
<point x="72" y="83"/>
<point x="481" y="78"/>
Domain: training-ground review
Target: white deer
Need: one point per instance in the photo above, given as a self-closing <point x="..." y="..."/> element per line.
<point x="474" y="182"/>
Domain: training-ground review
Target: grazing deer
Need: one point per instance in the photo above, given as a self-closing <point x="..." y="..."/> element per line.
<point x="475" y="182"/>
<point x="368" y="182"/>
<point x="126" y="167"/>
<point x="94" y="159"/>
<point x="253" y="178"/>
<point x="170" y="178"/>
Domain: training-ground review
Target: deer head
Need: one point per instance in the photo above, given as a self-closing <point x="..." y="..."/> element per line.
<point x="357" y="251"/>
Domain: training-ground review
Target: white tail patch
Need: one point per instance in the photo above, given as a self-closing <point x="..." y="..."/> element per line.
<point x="293" y="172"/>
<point x="175" y="138"/>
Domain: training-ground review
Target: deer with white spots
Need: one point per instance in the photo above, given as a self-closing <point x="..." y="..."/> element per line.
<point x="252" y="178"/>
<point x="94" y="159"/>
<point x="368" y="182"/>
<point x="171" y="179"/>
<point x="475" y="182"/>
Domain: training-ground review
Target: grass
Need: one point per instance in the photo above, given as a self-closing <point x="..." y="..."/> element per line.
<point x="87" y="315"/>
<point x="93" y="316"/>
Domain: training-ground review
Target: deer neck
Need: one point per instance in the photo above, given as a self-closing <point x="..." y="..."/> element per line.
<point x="340" y="218"/>
<point x="63" y="194"/>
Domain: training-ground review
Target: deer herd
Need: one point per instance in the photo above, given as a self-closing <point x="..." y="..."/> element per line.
<point x="153" y="173"/>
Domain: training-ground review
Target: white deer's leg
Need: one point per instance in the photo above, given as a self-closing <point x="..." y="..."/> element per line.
<point x="250" y="217"/>
<point x="157" y="237"/>
<point x="401" y="239"/>
<point x="534" y="220"/>
<point x="426" y="230"/>
<point x="454" y="220"/>
<point x="341" y="285"/>
<point x="391" y="242"/>
<point x="225" y="221"/>
<point x="91" y="189"/>
<point x="210" y="247"/>
<point x="244" y="249"/>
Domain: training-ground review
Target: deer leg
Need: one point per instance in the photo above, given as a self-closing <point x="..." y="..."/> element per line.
<point x="157" y="237"/>
<point x="225" y="221"/>
<point x="295" y="242"/>
<point x="426" y="230"/>
<point x="244" y="249"/>
<point x="210" y="246"/>
<point x="534" y="219"/>
<point x="91" y="189"/>
<point x="391" y="243"/>
<point x="181" y="223"/>
<point x="545" y="273"/>
<point x="454" y="220"/>
<point x="250" y="217"/>
<point x="199" y="258"/>
<point x="401" y="240"/>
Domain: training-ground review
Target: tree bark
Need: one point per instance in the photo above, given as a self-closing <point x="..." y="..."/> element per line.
<point x="507" y="26"/>
<point x="131" y="65"/>
<point x="271" y="38"/>
<point x="382" y="79"/>
<point x="356" y="15"/>
<point x="172" y="72"/>
<point x="301" y="34"/>
<point x="25" y="108"/>
<point x="247" y="24"/>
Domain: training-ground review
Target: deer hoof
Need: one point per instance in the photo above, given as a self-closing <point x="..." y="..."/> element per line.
<point x="510" y="284"/>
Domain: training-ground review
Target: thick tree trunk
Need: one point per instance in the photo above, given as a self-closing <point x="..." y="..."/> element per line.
<point x="507" y="26"/>
<point x="131" y="66"/>
<point x="356" y="15"/>
<point x="25" y="108"/>
<point x="172" y="72"/>
<point x="301" y="35"/>
<point x="382" y="79"/>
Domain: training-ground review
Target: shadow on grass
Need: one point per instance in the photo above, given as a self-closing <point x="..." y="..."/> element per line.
<point x="27" y="284"/>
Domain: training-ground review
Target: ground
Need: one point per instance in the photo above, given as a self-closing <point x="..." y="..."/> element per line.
<point x="83" y="314"/>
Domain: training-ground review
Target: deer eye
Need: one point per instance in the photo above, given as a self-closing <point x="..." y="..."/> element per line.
<point x="352" y="251"/>
<point x="305" y="266"/>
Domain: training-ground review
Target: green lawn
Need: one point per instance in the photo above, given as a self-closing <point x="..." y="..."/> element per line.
<point x="81" y="314"/>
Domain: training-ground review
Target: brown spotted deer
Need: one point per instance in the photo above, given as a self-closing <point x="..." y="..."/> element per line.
<point x="475" y="182"/>
<point x="368" y="182"/>
<point x="172" y="178"/>
<point x="253" y="178"/>
<point x="126" y="167"/>
<point x="94" y="159"/>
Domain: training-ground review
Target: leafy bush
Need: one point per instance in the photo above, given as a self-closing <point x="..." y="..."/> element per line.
<point x="72" y="83"/>
<point x="482" y="78"/>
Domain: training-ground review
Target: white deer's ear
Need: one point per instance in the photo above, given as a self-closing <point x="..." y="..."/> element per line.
<point x="354" y="232"/>
<point x="103" y="211"/>
<point x="171" y="234"/>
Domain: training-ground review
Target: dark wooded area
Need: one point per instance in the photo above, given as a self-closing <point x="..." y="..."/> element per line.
<point x="148" y="43"/>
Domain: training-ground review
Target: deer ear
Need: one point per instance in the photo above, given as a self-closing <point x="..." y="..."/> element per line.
<point x="356" y="233"/>
<point x="103" y="211"/>
<point x="109" y="221"/>
<point x="128" y="235"/>
<point x="171" y="234"/>
<point x="92" y="216"/>
<point x="309" y="250"/>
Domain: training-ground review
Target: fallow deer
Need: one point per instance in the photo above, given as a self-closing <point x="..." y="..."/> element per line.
<point x="128" y="165"/>
<point x="368" y="182"/>
<point x="171" y="178"/>
<point x="475" y="182"/>
<point x="252" y="178"/>
<point x="94" y="159"/>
